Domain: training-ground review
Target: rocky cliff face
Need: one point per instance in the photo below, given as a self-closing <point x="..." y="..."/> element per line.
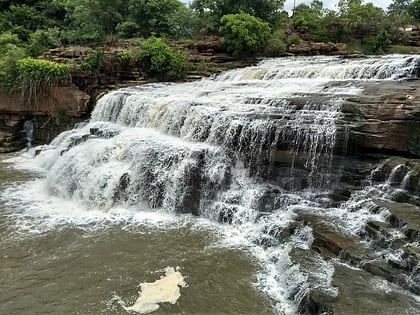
<point x="58" y="110"/>
<point x="385" y="117"/>
<point x="314" y="48"/>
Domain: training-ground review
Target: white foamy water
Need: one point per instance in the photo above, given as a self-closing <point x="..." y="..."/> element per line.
<point x="338" y="68"/>
<point x="242" y="154"/>
<point x="164" y="290"/>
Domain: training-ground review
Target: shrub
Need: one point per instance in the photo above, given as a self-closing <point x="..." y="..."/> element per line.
<point x="399" y="49"/>
<point x="7" y="39"/>
<point x="127" y="29"/>
<point x="244" y="34"/>
<point x="36" y="75"/>
<point x="42" y="40"/>
<point x="41" y="70"/>
<point x="93" y="62"/>
<point x="159" y="60"/>
<point x="124" y="57"/>
<point x="9" y="73"/>
<point x="294" y="39"/>
<point x="376" y="44"/>
<point x="276" y="44"/>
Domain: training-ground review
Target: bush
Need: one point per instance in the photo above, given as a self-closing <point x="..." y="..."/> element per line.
<point x="124" y="57"/>
<point x="42" y="40"/>
<point x="41" y="70"/>
<point x="376" y="44"/>
<point x="159" y="60"/>
<point x="399" y="49"/>
<point x="276" y="44"/>
<point x="294" y="39"/>
<point x="127" y="29"/>
<point x="37" y="75"/>
<point x="93" y="62"/>
<point x="6" y="39"/>
<point x="244" y="34"/>
<point x="9" y="73"/>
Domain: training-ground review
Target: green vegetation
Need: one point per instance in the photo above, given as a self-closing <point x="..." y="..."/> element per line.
<point x="276" y="44"/>
<point x="160" y="61"/>
<point x="63" y="117"/>
<point x="93" y="62"/>
<point x="293" y="40"/>
<point x="399" y="49"/>
<point x="28" y="28"/>
<point x="43" y="70"/>
<point x="125" y="57"/>
<point x="244" y="34"/>
<point x="35" y="75"/>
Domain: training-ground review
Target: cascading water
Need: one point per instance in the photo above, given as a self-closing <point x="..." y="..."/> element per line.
<point x="253" y="149"/>
<point x="28" y="132"/>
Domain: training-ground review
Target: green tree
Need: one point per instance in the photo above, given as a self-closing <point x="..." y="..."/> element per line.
<point x="94" y="20"/>
<point x="9" y="73"/>
<point x="361" y="20"/>
<point x="21" y="20"/>
<point x="414" y="10"/>
<point x="399" y="7"/>
<point x="211" y="11"/>
<point x="160" y="61"/>
<point x="42" y="40"/>
<point x="311" y="17"/>
<point x="376" y="44"/>
<point x="244" y="34"/>
<point x="160" y="17"/>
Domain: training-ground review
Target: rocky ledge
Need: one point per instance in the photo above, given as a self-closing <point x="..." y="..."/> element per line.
<point x="315" y="48"/>
<point x="57" y="111"/>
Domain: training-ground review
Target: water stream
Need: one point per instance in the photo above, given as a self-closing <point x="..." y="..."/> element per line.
<point x="226" y="178"/>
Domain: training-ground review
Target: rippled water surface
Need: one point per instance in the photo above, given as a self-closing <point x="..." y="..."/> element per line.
<point x="76" y="268"/>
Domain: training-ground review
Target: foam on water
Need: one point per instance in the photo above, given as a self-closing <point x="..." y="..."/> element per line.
<point x="164" y="290"/>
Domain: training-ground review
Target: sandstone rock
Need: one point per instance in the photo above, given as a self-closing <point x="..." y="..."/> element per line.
<point x="315" y="48"/>
<point x="302" y="48"/>
<point x="385" y="117"/>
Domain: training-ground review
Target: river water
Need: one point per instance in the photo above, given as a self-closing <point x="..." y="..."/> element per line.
<point x="213" y="177"/>
<point x="57" y="262"/>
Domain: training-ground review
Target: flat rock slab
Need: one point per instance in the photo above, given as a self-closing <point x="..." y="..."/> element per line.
<point x="362" y="293"/>
<point x="403" y="215"/>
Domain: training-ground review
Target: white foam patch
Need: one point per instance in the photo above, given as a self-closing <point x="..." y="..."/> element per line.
<point x="164" y="290"/>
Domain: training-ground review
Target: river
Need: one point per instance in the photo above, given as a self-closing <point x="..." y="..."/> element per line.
<point x="226" y="180"/>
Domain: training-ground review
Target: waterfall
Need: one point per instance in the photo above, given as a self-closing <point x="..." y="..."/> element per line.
<point x="338" y="68"/>
<point x="249" y="149"/>
<point x="28" y="132"/>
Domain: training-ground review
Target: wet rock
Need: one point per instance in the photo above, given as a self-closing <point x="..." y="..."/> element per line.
<point x="330" y="242"/>
<point x="362" y="293"/>
<point x="385" y="117"/>
<point x="379" y="231"/>
<point x="320" y="294"/>
<point x="226" y="215"/>
<point x="403" y="216"/>
<point x="400" y="196"/>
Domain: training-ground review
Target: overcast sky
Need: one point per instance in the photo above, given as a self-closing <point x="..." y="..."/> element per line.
<point x="331" y="4"/>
